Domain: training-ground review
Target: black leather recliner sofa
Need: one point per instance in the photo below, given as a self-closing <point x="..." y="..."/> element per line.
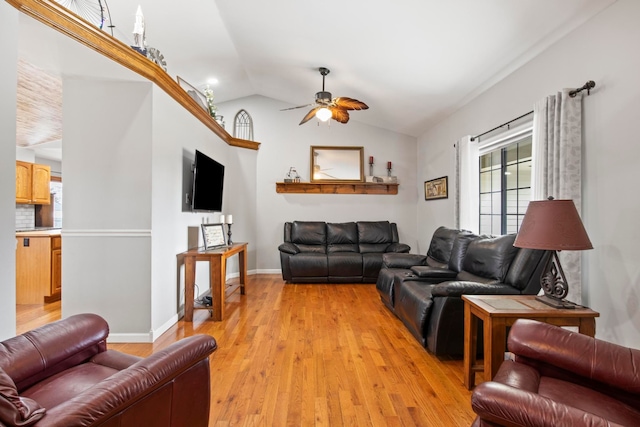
<point x="350" y="252"/>
<point x="425" y="292"/>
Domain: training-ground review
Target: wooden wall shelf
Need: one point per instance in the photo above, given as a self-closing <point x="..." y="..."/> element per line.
<point x="336" y="188"/>
<point x="60" y="19"/>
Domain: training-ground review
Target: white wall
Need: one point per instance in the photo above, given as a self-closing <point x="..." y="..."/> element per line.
<point x="8" y="78"/>
<point x="603" y="50"/>
<point x="177" y="133"/>
<point x="285" y="144"/>
<point x="106" y="267"/>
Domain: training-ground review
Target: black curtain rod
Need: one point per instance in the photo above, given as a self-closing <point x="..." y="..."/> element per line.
<point x="473" y="138"/>
<point x="587" y="86"/>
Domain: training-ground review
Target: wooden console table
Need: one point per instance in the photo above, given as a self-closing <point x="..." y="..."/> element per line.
<point x="217" y="259"/>
<point x="497" y="313"/>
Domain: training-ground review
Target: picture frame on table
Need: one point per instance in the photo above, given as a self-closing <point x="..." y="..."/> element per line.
<point x="436" y="188"/>
<point x="194" y="93"/>
<point x="213" y="236"/>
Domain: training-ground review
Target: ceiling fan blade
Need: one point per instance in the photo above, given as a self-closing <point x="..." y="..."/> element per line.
<point x="309" y="115"/>
<point x="350" y="103"/>
<point x="299" y="106"/>
<point x="339" y="114"/>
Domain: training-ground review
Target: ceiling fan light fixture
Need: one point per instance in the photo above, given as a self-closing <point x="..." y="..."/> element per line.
<point x="326" y="107"/>
<point x="323" y="114"/>
<point x="323" y="97"/>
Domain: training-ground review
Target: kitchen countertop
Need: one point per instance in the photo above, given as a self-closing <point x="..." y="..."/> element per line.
<point x="38" y="232"/>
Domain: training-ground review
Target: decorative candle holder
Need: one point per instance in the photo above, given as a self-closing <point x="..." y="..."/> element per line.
<point x="370" y="165"/>
<point x="229" y="241"/>
<point x="388" y="168"/>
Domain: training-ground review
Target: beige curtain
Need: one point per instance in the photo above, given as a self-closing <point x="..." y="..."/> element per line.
<point x="557" y="165"/>
<point x="467" y="187"/>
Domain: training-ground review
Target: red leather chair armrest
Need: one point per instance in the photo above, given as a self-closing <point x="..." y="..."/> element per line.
<point x="503" y="405"/>
<point x="590" y="358"/>
<point x="131" y="386"/>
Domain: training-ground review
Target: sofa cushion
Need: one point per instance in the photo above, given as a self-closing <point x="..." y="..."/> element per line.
<point x="459" y="250"/>
<point x="490" y="257"/>
<point x="522" y="269"/>
<point x="67" y="384"/>
<point x="345" y="265"/>
<point x="14" y="409"/>
<point x="342" y="237"/>
<point x="309" y="236"/>
<point x="374" y="236"/>
<point x="309" y="264"/>
<point x="441" y="245"/>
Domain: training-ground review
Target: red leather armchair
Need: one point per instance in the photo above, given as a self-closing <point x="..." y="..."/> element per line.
<point x="65" y="368"/>
<point x="560" y="378"/>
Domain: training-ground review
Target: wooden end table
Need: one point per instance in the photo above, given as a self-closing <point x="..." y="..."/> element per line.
<point x="217" y="259"/>
<point x="497" y="313"/>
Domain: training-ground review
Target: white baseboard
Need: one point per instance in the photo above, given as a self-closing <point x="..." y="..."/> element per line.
<point x="129" y="338"/>
<point x="144" y="338"/>
<point x="162" y="329"/>
<point x="268" y="271"/>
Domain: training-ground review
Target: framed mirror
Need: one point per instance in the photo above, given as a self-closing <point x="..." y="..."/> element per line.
<point x="335" y="164"/>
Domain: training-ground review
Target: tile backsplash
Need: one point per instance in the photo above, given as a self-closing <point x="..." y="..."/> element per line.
<point x="25" y="217"/>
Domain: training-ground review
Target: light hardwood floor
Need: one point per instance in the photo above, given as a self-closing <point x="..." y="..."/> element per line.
<point x="313" y="355"/>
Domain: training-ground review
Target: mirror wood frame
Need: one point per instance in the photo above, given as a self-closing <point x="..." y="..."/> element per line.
<point x="346" y="162"/>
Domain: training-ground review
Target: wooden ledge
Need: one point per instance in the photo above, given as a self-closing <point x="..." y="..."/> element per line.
<point x="60" y="19"/>
<point x="337" y="188"/>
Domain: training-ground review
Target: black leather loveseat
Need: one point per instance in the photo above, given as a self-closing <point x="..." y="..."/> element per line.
<point x="350" y="252"/>
<point x="425" y="291"/>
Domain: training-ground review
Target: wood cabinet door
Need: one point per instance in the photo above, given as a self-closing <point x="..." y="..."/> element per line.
<point x="33" y="269"/>
<point x="40" y="178"/>
<point x="56" y="272"/>
<point x="23" y="182"/>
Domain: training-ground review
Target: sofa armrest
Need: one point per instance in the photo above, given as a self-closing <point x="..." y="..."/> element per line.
<point x="505" y="405"/>
<point x="579" y="354"/>
<point x="131" y="386"/>
<point x="398" y="248"/>
<point x="456" y="288"/>
<point x="288" y="248"/>
<point x="406" y="261"/>
<point x="429" y="272"/>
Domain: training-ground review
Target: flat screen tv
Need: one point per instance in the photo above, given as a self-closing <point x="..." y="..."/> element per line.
<point x="208" y="184"/>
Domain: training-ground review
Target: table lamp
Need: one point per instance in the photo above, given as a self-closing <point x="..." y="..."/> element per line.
<point x="553" y="225"/>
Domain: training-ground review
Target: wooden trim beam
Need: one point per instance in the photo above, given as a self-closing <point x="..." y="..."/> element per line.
<point x="66" y="22"/>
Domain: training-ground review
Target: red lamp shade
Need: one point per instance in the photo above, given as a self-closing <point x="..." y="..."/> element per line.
<point x="552" y="225"/>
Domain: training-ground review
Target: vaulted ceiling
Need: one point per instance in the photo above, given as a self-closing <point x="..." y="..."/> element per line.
<point x="412" y="61"/>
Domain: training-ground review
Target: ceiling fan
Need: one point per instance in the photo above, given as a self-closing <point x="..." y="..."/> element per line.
<point x="326" y="108"/>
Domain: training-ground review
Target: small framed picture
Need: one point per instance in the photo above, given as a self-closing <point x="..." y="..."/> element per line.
<point x="436" y="189"/>
<point x="213" y="235"/>
<point x="198" y="96"/>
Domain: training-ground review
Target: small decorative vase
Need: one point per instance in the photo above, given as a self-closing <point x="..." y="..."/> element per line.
<point x="220" y="120"/>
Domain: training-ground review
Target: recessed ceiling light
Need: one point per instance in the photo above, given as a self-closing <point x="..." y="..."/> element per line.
<point x="212" y="81"/>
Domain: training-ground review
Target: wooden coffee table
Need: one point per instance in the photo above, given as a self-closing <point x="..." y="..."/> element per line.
<point x="497" y="313"/>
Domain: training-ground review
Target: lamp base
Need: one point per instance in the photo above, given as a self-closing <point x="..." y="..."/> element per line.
<point x="557" y="303"/>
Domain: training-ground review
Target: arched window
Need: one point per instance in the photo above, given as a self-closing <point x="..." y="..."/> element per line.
<point x="243" y="126"/>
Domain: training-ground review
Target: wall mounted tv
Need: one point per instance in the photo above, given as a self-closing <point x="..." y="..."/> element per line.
<point x="208" y="184"/>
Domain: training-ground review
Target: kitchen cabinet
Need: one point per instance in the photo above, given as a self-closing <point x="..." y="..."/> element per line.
<point x="38" y="267"/>
<point x="32" y="183"/>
